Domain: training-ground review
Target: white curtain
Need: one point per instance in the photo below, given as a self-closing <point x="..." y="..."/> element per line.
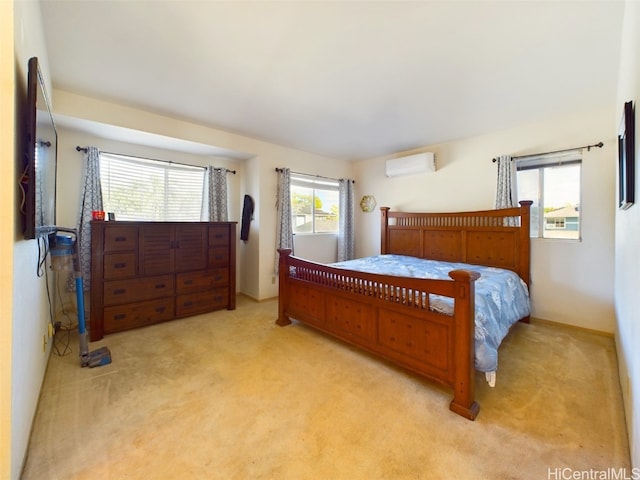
<point x="506" y="189"/>
<point x="215" y="206"/>
<point x="91" y="200"/>
<point x="284" y="228"/>
<point x="346" y="237"/>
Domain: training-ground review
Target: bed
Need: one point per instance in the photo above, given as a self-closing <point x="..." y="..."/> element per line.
<point x="426" y="323"/>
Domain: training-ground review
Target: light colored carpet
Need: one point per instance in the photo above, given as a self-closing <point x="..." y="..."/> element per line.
<point x="230" y="395"/>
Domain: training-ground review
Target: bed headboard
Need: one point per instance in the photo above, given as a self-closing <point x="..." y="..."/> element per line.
<point x="496" y="238"/>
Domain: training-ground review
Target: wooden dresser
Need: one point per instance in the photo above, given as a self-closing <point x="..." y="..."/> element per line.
<point x="148" y="272"/>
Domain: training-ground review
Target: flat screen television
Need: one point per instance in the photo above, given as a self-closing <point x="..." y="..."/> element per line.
<point x="40" y="157"/>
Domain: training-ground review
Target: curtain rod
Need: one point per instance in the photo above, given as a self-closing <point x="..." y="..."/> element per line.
<point x="588" y="147"/>
<point x="309" y="175"/>
<point x="84" y="149"/>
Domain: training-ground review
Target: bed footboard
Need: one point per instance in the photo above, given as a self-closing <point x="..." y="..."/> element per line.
<point x="390" y="317"/>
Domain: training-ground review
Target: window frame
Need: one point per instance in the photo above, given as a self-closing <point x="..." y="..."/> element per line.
<point x="541" y="162"/>
<point x="313" y="182"/>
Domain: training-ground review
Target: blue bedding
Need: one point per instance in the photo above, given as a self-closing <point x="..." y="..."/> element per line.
<point x="502" y="298"/>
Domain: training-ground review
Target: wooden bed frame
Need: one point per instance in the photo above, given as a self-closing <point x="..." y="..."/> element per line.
<point x="388" y="316"/>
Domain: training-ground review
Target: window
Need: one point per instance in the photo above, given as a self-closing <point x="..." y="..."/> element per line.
<point x="553" y="223"/>
<point x="150" y="190"/>
<point x="314" y="204"/>
<point x="552" y="181"/>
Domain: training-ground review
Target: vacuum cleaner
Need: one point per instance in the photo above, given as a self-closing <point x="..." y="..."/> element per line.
<point x="64" y="247"/>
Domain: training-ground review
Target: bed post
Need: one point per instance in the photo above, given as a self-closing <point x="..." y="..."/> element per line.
<point x="283" y="274"/>
<point x="525" y="240"/>
<point x="463" y="402"/>
<point x="384" y="228"/>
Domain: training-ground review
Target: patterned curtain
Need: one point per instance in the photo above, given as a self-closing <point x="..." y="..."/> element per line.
<point x="346" y="237"/>
<point x="507" y="191"/>
<point x="91" y="200"/>
<point x="284" y="228"/>
<point x="215" y="201"/>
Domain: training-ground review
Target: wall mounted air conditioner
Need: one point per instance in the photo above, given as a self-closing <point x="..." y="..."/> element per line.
<point x="411" y="164"/>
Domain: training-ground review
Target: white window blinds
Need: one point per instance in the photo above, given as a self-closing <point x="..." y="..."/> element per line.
<point x="150" y="190"/>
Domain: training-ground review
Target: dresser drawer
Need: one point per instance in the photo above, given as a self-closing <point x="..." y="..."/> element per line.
<point x="118" y="239"/>
<point x="119" y="265"/>
<point x="218" y="235"/>
<point x="117" y="292"/>
<point x="194" y="303"/>
<point x="218" y="256"/>
<point x="124" y="317"/>
<point x="201" y="281"/>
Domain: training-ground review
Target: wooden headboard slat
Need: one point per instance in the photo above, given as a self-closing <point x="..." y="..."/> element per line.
<point x="497" y="238"/>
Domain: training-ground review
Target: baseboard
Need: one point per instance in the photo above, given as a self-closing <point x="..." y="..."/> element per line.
<point x="626" y="388"/>
<point x="572" y="327"/>
<point x="257" y="300"/>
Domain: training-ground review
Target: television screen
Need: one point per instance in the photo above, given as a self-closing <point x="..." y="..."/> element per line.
<point x="39" y="179"/>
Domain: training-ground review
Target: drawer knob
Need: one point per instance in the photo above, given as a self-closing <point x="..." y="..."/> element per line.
<point x="121" y="239"/>
<point x="120" y="265"/>
<point x="160" y="285"/>
<point x="188" y="282"/>
<point x="187" y="304"/>
<point x="160" y="309"/>
<point x="120" y="316"/>
<point x="119" y="291"/>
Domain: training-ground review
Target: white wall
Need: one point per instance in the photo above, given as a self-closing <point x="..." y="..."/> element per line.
<point x="572" y="282"/>
<point x="249" y="250"/>
<point x="29" y="316"/>
<point x="7" y="224"/>
<point x="627" y="241"/>
<point x="319" y="247"/>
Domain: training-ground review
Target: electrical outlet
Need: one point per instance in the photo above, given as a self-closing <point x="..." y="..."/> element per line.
<point x="50" y="328"/>
<point x="44" y="343"/>
<point x="273" y="280"/>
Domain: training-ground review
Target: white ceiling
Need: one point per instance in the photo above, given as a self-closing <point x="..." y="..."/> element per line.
<point x="347" y="79"/>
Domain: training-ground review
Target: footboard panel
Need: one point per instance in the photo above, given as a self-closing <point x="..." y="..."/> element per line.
<point x="350" y="319"/>
<point x="424" y="344"/>
<point x="306" y="303"/>
<point x="390" y="317"/>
